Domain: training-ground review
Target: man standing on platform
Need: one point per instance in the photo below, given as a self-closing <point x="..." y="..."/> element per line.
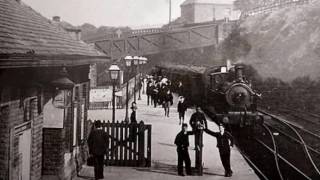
<point x="182" y="143"/>
<point x="182" y="108"/>
<point x="98" y="143"/>
<point x="149" y="92"/>
<point x="197" y="122"/>
<point x="198" y="119"/>
<point x="224" y="141"/>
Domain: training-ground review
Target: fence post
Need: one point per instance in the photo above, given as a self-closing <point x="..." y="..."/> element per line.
<point x="121" y="143"/>
<point x="141" y="144"/>
<point x="149" y="147"/>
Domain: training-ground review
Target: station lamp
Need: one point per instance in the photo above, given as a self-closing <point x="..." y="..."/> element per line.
<point x="62" y="89"/>
<point x="114" y="71"/>
<point x="136" y="60"/>
<point x="128" y="60"/>
<point x="144" y="60"/>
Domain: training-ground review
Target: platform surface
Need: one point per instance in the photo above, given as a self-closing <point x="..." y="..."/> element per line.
<point x="164" y="155"/>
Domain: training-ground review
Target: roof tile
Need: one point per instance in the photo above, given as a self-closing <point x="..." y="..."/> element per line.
<point x="22" y="29"/>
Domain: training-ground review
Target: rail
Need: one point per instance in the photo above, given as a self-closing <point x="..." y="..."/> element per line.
<point x="300" y="141"/>
<point x="284" y="160"/>
<point x="275" y="152"/>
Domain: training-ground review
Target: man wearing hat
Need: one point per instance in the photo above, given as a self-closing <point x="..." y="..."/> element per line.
<point x="133" y="117"/>
<point x="98" y="143"/>
<point x="224" y="141"/>
<point x="182" y="143"/>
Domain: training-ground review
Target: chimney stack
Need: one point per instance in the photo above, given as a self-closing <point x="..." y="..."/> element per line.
<point x="56" y="18"/>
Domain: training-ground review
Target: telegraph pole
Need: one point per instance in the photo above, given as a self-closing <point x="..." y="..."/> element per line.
<point x="170" y="11"/>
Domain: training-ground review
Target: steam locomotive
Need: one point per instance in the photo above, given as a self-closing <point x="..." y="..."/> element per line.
<point x="222" y="91"/>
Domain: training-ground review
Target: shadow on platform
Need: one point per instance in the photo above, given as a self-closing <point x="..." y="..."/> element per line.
<point x="170" y="169"/>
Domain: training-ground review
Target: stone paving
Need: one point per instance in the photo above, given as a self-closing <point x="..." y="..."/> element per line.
<point x="164" y="156"/>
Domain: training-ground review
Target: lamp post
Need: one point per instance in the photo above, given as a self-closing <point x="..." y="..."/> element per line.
<point x="114" y="73"/>
<point x="136" y="64"/>
<point x="128" y="62"/>
<point x="142" y="61"/>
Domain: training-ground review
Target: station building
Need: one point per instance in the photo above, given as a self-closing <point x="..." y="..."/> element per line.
<point x="44" y="88"/>
<point x="198" y="11"/>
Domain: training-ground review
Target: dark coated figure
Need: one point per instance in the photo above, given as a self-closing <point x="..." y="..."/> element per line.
<point x="180" y="89"/>
<point x="133" y="116"/>
<point x="182" y="108"/>
<point x="182" y="143"/>
<point x="149" y="92"/>
<point x="198" y="120"/>
<point x="167" y="102"/>
<point x="224" y="141"/>
<point x="133" y="121"/>
<point x="98" y="142"/>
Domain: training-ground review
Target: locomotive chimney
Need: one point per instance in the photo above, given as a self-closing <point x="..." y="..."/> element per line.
<point x="239" y="71"/>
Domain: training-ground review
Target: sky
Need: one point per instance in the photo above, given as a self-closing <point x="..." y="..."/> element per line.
<point x="133" y="13"/>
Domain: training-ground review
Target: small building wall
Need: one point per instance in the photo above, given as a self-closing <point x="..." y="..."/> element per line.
<point x="17" y="112"/>
<point x="204" y="12"/>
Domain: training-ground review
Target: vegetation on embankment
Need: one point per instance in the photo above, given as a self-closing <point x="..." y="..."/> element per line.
<point x="282" y="52"/>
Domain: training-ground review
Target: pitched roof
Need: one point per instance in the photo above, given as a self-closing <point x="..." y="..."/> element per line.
<point x="24" y="31"/>
<point x="187" y="2"/>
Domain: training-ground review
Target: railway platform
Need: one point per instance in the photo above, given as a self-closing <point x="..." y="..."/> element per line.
<point x="164" y="155"/>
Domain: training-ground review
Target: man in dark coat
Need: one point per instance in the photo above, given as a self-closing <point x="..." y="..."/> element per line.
<point x="224" y="141"/>
<point x="155" y="95"/>
<point x="198" y="119"/>
<point x="180" y="89"/>
<point x="182" y="143"/>
<point x="133" y="116"/>
<point x="149" y="92"/>
<point x="197" y="122"/>
<point x="182" y="108"/>
<point x="98" y="143"/>
<point x="133" y="121"/>
<point x="167" y="102"/>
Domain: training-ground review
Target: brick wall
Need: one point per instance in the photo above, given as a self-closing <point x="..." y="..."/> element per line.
<point x="4" y="141"/>
<point x="13" y="113"/>
<point x="61" y="158"/>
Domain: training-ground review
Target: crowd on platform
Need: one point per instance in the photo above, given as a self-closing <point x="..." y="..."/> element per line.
<point x="159" y="92"/>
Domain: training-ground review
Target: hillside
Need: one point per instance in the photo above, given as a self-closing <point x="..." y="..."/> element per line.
<point x="89" y="31"/>
<point x="284" y="44"/>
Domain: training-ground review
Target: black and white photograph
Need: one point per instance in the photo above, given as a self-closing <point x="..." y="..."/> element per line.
<point x="159" y="89"/>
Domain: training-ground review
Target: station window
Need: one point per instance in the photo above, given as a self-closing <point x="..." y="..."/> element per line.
<point x="28" y="109"/>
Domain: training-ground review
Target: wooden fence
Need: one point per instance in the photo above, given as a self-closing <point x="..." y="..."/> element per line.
<point x="129" y="144"/>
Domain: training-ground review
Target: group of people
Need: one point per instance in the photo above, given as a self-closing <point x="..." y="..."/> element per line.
<point x="158" y="92"/>
<point x="198" y="122"/>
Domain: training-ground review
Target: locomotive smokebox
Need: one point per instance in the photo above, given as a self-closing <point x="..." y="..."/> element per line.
<point x="239" y="71"/>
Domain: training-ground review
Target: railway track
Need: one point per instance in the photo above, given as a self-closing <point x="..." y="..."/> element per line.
<point x="295" y="148"/>
<point x="282" y="150"/>
<point x="309" y="121"/>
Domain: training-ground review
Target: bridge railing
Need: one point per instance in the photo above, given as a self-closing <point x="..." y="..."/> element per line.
<point x="274" y="6"/>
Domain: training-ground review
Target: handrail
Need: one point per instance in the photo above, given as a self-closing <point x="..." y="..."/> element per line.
<point x="270" y="7"/>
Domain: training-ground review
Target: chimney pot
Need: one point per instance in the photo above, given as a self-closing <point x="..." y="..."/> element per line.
<point x="56" y="18"/>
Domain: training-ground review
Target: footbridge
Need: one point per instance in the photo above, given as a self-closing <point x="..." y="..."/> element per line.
<point x="157" y="40"/>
